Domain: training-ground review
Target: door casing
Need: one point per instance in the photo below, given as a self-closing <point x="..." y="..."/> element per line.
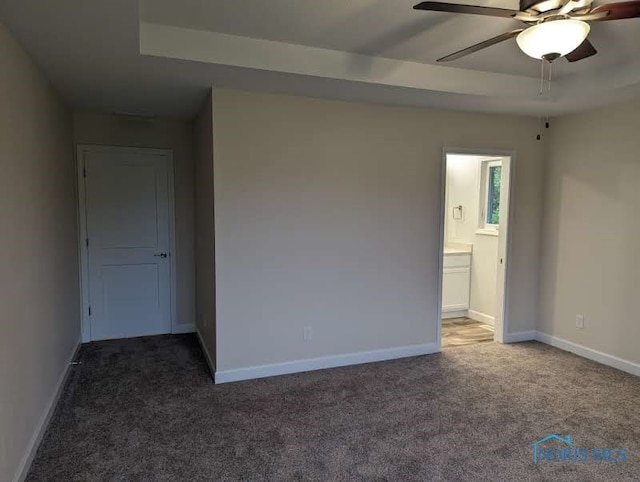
<point x="504" y="244"/>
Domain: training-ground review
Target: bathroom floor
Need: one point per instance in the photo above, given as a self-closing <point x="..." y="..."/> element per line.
<point x="465" y="331"/>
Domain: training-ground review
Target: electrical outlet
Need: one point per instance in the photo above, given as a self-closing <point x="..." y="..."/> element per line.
<point x="307" y="333"/>
<point x="580" y="321"/>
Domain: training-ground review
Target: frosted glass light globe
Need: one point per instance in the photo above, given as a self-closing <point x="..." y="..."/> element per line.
<point x="559" y="37"/>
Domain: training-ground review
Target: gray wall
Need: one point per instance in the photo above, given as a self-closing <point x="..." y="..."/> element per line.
<point x="205" y="236"/>
<point x="327" y="215"/>
<point x="160" y="133"/>
<point x="39" y="300"/>
<point x="591" y="230"/>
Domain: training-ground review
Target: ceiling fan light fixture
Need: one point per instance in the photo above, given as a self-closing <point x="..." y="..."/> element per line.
<point x="552" y="39"/>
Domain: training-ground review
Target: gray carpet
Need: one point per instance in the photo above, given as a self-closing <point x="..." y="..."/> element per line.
<point x="145" y="409"/>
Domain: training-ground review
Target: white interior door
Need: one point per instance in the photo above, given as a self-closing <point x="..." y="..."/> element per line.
<point x="128" y="255"/>
<point x="505" y="196"/>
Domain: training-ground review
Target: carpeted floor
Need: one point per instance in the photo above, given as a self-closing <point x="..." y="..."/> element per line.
<point x="145" y="409"/>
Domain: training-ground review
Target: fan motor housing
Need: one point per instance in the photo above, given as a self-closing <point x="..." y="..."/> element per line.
<point x="540" y="5"/>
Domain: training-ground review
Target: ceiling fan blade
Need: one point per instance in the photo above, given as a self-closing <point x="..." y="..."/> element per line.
<point x="618" y="11"/>
<point x="584" y="50"/>
<point x="459" y="8"/>
<point x="590" y="17"/>
<point x="481" y="45"/>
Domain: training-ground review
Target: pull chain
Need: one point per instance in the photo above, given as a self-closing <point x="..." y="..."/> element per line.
<point x="542" y="90"/>
<point x="548" y="79"/>
<point x="546" y="125"/>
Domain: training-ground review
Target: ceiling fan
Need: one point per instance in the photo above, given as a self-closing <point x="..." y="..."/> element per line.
<point x="555" y="28"/>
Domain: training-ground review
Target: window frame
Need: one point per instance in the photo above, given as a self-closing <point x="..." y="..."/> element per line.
<point x="485" y="175"/>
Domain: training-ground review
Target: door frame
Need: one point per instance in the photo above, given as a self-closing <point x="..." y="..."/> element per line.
<point x="502" y="332"/>
<point x="83" y="251"/>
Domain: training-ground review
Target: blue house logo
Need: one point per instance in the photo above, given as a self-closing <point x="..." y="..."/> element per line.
<point x="543" y="440"/>
<point x="569" y="452"/>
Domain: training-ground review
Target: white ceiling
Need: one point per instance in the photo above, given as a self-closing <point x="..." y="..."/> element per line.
<point x="386" y="28"/>
<point x="161" y="57"/>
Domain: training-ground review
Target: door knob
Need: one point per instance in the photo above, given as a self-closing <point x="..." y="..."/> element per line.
<point x="161" y="255"/>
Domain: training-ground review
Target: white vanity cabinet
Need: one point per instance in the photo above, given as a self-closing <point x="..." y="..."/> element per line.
<point x="456" y="279"/>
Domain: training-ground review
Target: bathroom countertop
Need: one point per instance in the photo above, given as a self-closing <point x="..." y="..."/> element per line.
<point x="456" y="251"/>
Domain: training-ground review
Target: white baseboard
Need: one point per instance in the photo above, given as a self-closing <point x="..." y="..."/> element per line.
<point x="333" y="361"/>
<point x="180" y="328"/>
<point x="482" y="317"/>
<point x="458" y="307"/>
<point x="207" y="355"/>
<point x="590" y="353"/>
<point x="520" y="336"/>
<point x="45" y="418"/>
<point x="454" y="314"/>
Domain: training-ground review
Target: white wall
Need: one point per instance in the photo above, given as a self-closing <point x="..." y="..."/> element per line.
<point x="463" y="185"/>
<point x="160" y="133"/>
<point x="463" y="188"/>
<point x="327" y="215"/>
<point x="591" y="231"/>
<point x="484" y="278"/>
<point x="205" y="234"/>
<point x="39" y="299"/>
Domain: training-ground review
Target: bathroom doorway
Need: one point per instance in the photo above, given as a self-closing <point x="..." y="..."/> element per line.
<point x="476" y="196"/>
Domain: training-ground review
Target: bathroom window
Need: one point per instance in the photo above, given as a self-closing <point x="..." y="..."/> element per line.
<point x="491" y="176"/>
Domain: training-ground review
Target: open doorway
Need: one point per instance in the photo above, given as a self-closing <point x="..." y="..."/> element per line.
<point x="475" y="240"/>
